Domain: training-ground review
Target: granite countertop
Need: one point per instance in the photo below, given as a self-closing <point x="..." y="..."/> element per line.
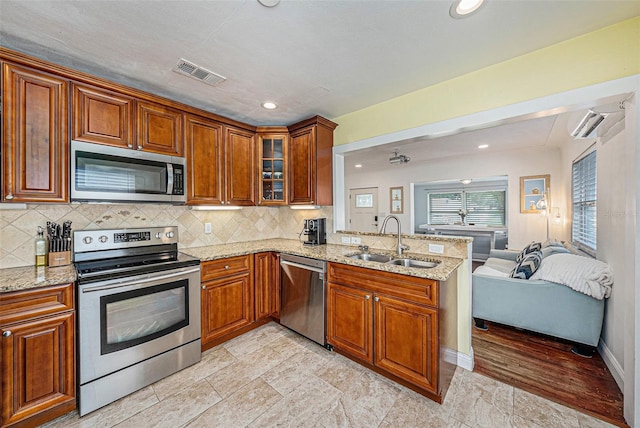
<point x="328" y="252"/>
<point x="22" y="278"/>
<point x="459" y="227"/>
<point x="411" y="236"/>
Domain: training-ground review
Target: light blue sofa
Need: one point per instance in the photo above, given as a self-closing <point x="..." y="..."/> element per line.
<point x="535" y="305"/>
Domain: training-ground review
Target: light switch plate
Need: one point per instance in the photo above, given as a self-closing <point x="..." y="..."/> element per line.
<point x="207" y="228"/>
<point x="346" y="240"/>
<point x="436" y="248"/>
<point x="356" y="240"/>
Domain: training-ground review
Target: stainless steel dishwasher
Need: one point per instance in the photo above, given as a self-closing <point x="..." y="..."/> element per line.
<point x="303" y="296"/>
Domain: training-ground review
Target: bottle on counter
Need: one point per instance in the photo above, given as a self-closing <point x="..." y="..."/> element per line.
<point x="41" y="248"/>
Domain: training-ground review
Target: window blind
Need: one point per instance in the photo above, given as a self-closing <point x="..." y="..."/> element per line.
<point x="443" y="207"/>
<point x="486" y="207"/>
<point x="483" y="207"/>
<point x="584" y="196"/>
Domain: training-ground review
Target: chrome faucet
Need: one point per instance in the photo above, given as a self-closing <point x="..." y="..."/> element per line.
<point x="399" y="247"/>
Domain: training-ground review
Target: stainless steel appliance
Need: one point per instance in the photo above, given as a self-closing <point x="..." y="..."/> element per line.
<point x="138" y="311"/>
<point x="107" y="173"/>
<point x="303" y="296"/>
<point x="315" y="230"/>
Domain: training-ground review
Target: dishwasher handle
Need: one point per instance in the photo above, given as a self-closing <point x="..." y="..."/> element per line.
<point x="301" y="266"/>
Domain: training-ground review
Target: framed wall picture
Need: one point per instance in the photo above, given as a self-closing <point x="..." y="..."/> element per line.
<point x="532" y="189"/>
<point x="396" y="200"/>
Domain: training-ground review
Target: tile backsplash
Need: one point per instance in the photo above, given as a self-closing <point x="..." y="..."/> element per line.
<point x="18" y="226"/>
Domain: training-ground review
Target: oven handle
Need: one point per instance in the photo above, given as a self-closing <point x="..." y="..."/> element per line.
<point x="139" y="281"/>
<point x="301" y="266"/>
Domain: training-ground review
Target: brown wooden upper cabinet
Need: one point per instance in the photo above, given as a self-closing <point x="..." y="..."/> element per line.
<point x="205" y="179"/>
<point x="310" y="162"/>
<point x="240" y="171"/>
<point x="159" y="128"/>
<point x="107" y="117"/>
<point x="273" y="145"/>
<point x="102" y="116"/>
<point x="221" y="163"/>
<point x="35" y="140"/>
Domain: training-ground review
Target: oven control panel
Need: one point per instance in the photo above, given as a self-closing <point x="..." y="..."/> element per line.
<point x="109" y="239"/>
<point x="132" y="236"/>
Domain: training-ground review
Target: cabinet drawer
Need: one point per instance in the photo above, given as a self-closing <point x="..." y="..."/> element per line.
<point x="224" y="267"/>
<point x="411" y="288"/>
<point x="21" y="305"/>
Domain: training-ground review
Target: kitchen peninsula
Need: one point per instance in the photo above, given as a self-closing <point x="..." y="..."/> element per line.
<point x="409" y="298"/>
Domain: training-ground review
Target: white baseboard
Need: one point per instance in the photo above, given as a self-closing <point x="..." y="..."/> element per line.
<point x="612" y="364"/>
<point x="465" y="360"/>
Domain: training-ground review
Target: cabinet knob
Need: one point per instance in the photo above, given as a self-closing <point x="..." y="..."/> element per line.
<point x="7" y="333"/>
<point x="312" y="202"/>
<point x="140" y="147"/>
<point x="226" y="266"/>
<point x="204" y="288"/>
<point x="376" y="299"/>
<point x="367" y="297"/>
<point x="9" y="197"/>
<point x="130" y="145"/>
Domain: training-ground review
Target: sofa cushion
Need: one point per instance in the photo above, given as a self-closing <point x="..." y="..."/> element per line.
<point x="502" y="265"/>
<point x="550" y="250"/>
<point x="489" y="271"/>
<point x="534" y="246"/>
<point x="527" y="266"/>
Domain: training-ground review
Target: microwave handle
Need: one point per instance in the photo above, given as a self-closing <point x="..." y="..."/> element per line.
<point x="169" y="179"/>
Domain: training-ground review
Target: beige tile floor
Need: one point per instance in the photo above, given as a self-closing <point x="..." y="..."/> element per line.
<point x="273" y="377"/>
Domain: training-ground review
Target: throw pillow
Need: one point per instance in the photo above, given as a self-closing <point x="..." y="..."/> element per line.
<point x="534" y="246"/>
<point x="528" y="266"/>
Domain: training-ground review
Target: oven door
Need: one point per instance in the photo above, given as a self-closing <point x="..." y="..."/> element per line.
<point x="127" y="320"/>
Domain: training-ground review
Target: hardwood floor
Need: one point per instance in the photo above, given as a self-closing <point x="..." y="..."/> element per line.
<point x="546" y="367"/>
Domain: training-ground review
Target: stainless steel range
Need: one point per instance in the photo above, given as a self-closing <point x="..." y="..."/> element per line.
<point x="138" y="311"/>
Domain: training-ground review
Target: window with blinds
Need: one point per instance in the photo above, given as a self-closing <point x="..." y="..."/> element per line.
<point x="486" y="207"/>
<point x="583" y="197"/>
<point x="483" y="207"/>
<point x="443" y="207"/>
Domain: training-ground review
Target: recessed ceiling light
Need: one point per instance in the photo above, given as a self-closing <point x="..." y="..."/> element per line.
<point x="269" y="3"/>
<point x="358" y="165"/>
<point x="269" y="105"/>
<point x="463" y="8"/>
<point x="483" y="146"/>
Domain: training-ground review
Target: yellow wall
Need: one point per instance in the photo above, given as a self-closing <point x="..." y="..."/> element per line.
<point x="607" y="54"/>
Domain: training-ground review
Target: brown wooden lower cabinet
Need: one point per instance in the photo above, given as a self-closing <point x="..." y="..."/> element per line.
<point x="275" y="284"/>
<point x="350" y="321"/>
<point x="38" y="358"/>
<point x="226" y="298"/>
<point x="264" y="296"/>
<point x="406" y="338"/>
<point x="389" y="322"/>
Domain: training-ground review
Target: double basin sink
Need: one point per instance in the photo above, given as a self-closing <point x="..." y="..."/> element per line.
<point x="381" y="258"/>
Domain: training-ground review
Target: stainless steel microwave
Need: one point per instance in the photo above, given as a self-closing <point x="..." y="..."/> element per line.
<point x="103" y="173"/>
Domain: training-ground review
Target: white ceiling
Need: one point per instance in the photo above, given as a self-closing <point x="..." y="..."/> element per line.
<point x="541" y="130"/>
<point x="310" y="57"/>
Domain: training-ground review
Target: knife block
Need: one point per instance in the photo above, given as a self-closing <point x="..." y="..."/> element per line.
<point x="61" y="258"/>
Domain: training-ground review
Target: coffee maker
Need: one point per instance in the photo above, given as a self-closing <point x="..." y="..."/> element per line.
<point x="315" y="230"/>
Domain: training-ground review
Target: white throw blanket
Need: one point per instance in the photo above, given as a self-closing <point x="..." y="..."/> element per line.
<point x="589" y="276"/>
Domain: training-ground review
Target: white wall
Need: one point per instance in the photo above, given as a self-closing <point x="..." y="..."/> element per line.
<point x="615" y="234"/>
<point x="523" y="228"/>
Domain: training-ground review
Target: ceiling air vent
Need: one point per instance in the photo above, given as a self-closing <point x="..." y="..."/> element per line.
<point x="196" y="72"/>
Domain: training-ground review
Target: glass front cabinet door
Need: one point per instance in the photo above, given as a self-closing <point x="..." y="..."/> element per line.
<point x="273" y="169"/>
